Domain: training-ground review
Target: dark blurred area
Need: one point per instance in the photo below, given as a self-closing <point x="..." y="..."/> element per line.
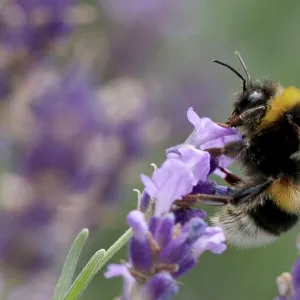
<point x="91" y="93"/>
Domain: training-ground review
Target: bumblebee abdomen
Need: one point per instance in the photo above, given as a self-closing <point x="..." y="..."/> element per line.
<point x="285" y="193"/>
<point x="253" y="226"/>
<point x="273" y="219"/>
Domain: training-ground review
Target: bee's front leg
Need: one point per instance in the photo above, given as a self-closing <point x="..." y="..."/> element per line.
<point x="232" y="150"/>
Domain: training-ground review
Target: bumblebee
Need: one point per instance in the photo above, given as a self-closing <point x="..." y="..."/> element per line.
<point x="267" y="202"/>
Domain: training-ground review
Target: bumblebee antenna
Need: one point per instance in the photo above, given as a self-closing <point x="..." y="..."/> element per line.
<point x="243" y="65"/>
<point x="235" y="71"/>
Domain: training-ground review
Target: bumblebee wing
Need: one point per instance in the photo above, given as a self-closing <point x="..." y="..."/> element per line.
<point x="244" y="194"/>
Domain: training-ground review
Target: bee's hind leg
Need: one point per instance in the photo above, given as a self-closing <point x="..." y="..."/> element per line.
<point x="234" y="197"/>
<point x="246" y="193"/>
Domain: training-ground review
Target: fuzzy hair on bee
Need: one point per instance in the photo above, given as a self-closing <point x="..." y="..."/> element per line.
<point x="266" y="202"/>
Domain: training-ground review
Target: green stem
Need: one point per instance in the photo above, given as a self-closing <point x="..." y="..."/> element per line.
<point x="115" y="247"/>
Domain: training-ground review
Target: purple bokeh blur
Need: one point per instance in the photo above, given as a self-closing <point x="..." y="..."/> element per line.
<point x="85" y="95"/>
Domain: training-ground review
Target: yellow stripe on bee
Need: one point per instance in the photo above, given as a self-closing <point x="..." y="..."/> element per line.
<point x="286" y="195"/>
<point x="281" y="104"/>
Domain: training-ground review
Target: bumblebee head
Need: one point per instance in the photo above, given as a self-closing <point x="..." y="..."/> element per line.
<point x="252" y="102"/>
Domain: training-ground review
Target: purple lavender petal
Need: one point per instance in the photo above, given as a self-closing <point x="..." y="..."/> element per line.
<point x="175" y="251"/>
<point x="153" y="224"/>
<point x="164" y="230"/>
<point x="170" y="177"/>
<point x="223" y="190"/>
<point x="139" y="246"/>
<point x="178" y="249"/>
<point x="211" y="188"/>
<point x="214" y="163"/>
<point x="175" y="180"/>
<point x="183" y="215"/>
<point x="205" y="130"/>
<point x="114" y="270"/>
<point x="197" y="160"/>
<point x="185" y="265"/>
<point x="144" y="201"/>
<point x="204" y="187"/>
<point x="174" y="149"/>
<point x="169" y="183"/>
<point x="161" y="286"/>
<point x="296" y="279"/>
<point x="213" y="240"/>
<point x="150" y="187"/>
<point x="137" y="222"/>
<point x="194" y="228"/>
<point x="140" y="254"/>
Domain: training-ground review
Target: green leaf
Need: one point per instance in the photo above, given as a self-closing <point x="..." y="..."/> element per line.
<point x="117" y="245"/>
<point x="86" y="275"/>
<point x="67" y="274"/>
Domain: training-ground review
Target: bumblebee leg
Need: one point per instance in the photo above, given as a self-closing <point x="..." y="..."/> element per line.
<point x="205" y="199"/>
<point x="240" y="196"/>
<point x="239" y="119"/>
<point x="229" y="177"/>
<point x="244" y="194"/>
<point x="231" y="150"/>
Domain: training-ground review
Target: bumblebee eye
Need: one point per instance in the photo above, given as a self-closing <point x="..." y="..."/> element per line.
<point x="249" y="101"/>
<point x="255" y="96"/>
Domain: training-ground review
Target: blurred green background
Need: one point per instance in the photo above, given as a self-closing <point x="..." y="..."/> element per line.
<point x="266" y="34"/>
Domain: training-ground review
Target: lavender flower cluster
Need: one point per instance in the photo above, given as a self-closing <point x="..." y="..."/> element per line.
<point x="168" y="245"/>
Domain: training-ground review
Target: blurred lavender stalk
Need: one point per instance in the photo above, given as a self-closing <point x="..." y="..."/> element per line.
<point x="137" y="36"/>
<point x="29" y="30"/>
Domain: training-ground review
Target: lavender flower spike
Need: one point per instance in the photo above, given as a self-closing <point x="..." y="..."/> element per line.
<point x="163" y="250"/>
